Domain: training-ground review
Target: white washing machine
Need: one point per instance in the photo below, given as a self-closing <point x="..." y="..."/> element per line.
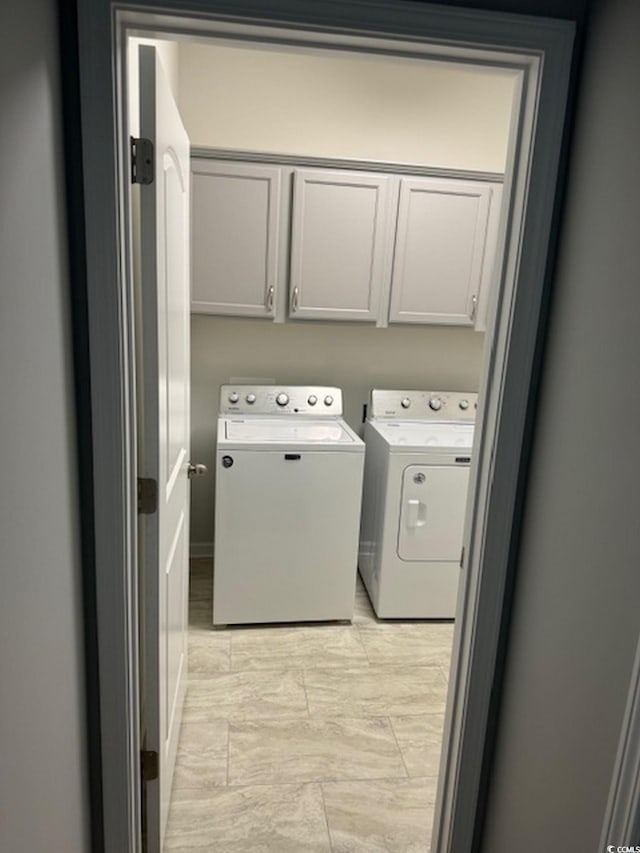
<point x="287" y="515"/>
<point x="418" y="453"/>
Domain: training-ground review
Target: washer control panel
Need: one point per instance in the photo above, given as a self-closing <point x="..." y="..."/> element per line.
<point x="424" y="405"/>
<point x="281" y="400"/>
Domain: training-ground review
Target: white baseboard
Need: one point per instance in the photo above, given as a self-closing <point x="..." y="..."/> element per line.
<point x="200" y="549"/>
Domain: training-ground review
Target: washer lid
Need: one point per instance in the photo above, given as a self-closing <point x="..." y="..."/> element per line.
<point x="281" y="431"/>
<point x="426" y="435"/>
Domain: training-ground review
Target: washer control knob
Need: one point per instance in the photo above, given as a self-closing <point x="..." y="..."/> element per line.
<point x="234" y="397"/>
<point x="405" y="403"/>
<point x="464" y="405"/>
<point x="251" y="398"/>
<point x="328" y="400"/>
<point x="312" y="400"/>
<point x="435" y="403"/>
<point x="282" y="399"/>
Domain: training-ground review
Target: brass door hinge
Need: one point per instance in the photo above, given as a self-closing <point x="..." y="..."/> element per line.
<point x="147" y="496"/>
<point x="148" y="765"/>
<point x="141" y="160"/>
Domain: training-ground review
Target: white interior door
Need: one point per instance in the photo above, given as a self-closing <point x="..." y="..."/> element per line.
<point x="164" y="230"/>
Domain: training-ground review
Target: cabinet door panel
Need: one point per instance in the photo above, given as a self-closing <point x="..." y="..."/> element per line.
<point x="493" y="258"/>
<point x="440" y="245"/>
<point x="234" y="238"/>
<point x="340" y="244"/>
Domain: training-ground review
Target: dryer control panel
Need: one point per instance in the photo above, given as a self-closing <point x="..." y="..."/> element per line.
<point x="317" y="401"/>
<point x="424" y="405"/>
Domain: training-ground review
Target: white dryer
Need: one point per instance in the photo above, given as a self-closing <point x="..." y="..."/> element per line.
<point x="418" y="453"/>
<point x="287" y="514"/>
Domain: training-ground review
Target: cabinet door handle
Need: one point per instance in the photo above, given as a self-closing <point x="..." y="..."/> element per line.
<point x="474" y="307"/>
<point x="295" y="295"/>
<point x="269" y="300"/>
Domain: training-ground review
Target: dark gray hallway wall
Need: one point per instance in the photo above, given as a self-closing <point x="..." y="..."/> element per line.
<point x="43" y="774"/>
<point x="575" y="622"/>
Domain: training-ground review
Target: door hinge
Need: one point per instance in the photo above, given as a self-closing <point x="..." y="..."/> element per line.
<point x="148" y="765"/>
<point x="141" y="160"/>
<point x="147" y="496"/>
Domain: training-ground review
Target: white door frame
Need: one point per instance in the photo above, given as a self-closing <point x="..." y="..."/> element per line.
<point x="501" y="451"/>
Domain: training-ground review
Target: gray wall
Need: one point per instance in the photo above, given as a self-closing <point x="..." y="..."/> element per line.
<point x="578" y="596"/>
<point x="337" y="104"/>
<point x="43" y="778"/>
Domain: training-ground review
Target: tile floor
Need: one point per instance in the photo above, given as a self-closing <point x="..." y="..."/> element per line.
<point x="319" y="738"/>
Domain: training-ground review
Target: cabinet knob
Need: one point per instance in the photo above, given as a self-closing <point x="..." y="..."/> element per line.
<point x="474" y="306"/>
<point x="295" y="296"/>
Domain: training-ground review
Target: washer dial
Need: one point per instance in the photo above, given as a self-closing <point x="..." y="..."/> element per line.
<point x="435" y="403"/>
<point x="250" y="398"/>
<point x="234" y="397"/>
<point x="464" y="405"/>
<point x="328" y="400"/>
<point x="405" y="403"/>
<point x="282" y="399"/>
<point x="312" y="400"/>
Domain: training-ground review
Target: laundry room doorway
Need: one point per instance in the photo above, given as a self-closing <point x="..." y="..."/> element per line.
<point x="149" y="661"/>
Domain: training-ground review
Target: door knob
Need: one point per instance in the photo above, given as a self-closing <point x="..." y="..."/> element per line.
<point x="196" y="470"/>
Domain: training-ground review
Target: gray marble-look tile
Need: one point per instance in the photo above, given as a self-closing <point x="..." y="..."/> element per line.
<point x="200" y="616"/>
<point x="201" y="591"/>
<point x="375" y="691"/>
<point x="201" y="761"/>
<point x="201" y="565"/>
<point x="381" y="816"/>
<point x="262" y="819"/>
<point x="302" y="645"/>
<point x="201" y="580"/>
<point x="209" y="652"/>
<point x="363" y="611"/>
<point x="417" y="643"/>
<point x="278" y="751"/>
<point x="420" y="742"/>
<point x="245" y="695"/>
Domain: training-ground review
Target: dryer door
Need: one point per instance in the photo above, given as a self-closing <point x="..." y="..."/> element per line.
<point x="432" y="512"/>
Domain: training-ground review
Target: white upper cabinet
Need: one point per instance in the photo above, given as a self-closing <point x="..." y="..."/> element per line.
<point x="341" y="243"/>
<point x="358" y="246"/>
<point x="440" y="249"/>
<point x="235" y="234"/>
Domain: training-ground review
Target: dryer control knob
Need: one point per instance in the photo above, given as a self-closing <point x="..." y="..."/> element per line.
<point x="464" y="404"/>
<point x="328" y="400"/>
<point x="312" y="400"/>
<point x="282" y="399"/>
<point x="234" y="397"/>
<point x="405" y="403"/>
<point x="250" y="398"/>
<point x="435" y="403"/>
